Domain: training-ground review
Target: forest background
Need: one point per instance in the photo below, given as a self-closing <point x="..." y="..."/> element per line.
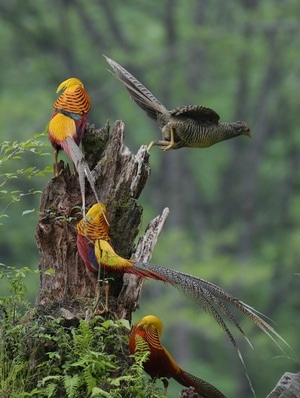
<point x="234" y="208"/>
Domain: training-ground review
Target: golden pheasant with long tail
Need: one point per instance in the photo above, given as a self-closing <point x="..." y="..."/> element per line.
<point x="145" y="337"/>
<point x="98" y="254"/>
<point x="95" y="249"/>
<point x="66" y="129"/>
<point x="193" y="126"/>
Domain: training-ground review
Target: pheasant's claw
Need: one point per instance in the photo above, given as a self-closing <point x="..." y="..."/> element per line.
<point x="166" y="145"/>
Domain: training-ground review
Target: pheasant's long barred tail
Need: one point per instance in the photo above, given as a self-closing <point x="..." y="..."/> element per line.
<point x="82" y="169"/>
<point x="140" y="94"/>
<point x="214" y="300"/>
<point x="207" y="389"/>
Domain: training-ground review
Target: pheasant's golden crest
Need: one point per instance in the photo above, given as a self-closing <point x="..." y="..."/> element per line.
<point x="95" y="225"/>
<point x="74" y="98"/>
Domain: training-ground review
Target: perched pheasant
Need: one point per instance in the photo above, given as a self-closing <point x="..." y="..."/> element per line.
<point x="66" y="129"/>
<point x="192" y="126"/>
<point x="98" y="254"/>
<point x="145" y="337"/>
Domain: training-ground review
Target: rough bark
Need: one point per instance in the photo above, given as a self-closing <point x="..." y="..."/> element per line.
<point x="120" y="177"/>
<point x="287" y="387"/>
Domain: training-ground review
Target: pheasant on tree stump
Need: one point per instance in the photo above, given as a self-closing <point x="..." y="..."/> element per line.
<point x="193" y="126"/>
<point x="66" y="129"/>
<point x="95" y="249"/>
<point x="69" y="118"/>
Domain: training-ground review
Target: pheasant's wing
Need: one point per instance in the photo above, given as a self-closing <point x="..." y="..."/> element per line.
<point x="199" y="113"/>
<point x="139" y="93"/>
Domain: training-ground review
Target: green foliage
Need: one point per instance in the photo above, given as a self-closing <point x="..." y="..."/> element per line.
<point x="45" y="357"/>
<point x="89" y="360"/>
<point x="20" y="199"/>
<point x="11" y="153"/>
<point x="12" y="306"/>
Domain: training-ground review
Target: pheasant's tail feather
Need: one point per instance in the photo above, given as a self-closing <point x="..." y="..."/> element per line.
<point x="146" y="273"/>
<point x="140" y="94"/>
<point x="205" y="389"/>
<point x="83" y="171"/>
<point x="252" y="314"/>
<point x="215" y="300"/>
<point x="195" y="290"/>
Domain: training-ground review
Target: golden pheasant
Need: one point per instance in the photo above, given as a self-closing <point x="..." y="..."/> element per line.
<point x="145" y="337"/>
<point x="97" y="253"/>
<point x="67" y="126"/>
<point x="193" y="126"/>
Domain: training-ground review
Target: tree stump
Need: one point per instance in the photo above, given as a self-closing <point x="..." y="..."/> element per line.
<point x="120" y="177"/>
<point x="287" y="387"/>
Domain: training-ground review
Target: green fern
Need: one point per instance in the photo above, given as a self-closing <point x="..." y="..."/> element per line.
<point x="71" y="385"/>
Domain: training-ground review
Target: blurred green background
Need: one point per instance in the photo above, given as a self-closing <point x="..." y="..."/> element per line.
<point x="234" y="208"/>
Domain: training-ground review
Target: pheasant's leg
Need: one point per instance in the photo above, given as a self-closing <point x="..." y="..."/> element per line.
<point x="152" y="143"/>
<point x="172" y="142"/>
<point x="106" y="289"/>
<point x="106" y="307"/>
<point x="164" y="143"/>
<point x="75" y="172"/>
<point x="55" y="163"/>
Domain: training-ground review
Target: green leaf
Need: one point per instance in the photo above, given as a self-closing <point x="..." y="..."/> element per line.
<point x="49" y="271"/>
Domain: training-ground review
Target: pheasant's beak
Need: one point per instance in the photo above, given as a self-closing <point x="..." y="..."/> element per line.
<point x="248" y="134"/>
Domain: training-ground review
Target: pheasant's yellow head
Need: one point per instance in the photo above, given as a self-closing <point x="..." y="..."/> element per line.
<point x="96" y="210"/>
<point x="151" y="320"/>
<point x="95" y="224"/>
<point x="69" y="84"/>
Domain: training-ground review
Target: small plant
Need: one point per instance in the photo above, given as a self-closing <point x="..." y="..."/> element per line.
<point x="13" y="305"/>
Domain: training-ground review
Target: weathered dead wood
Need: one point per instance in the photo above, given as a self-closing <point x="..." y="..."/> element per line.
<point x="189" y="392"/>
<point x="287" y="387"/>
<point x="120" y="178"/>
<point x="132" y="285"/>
